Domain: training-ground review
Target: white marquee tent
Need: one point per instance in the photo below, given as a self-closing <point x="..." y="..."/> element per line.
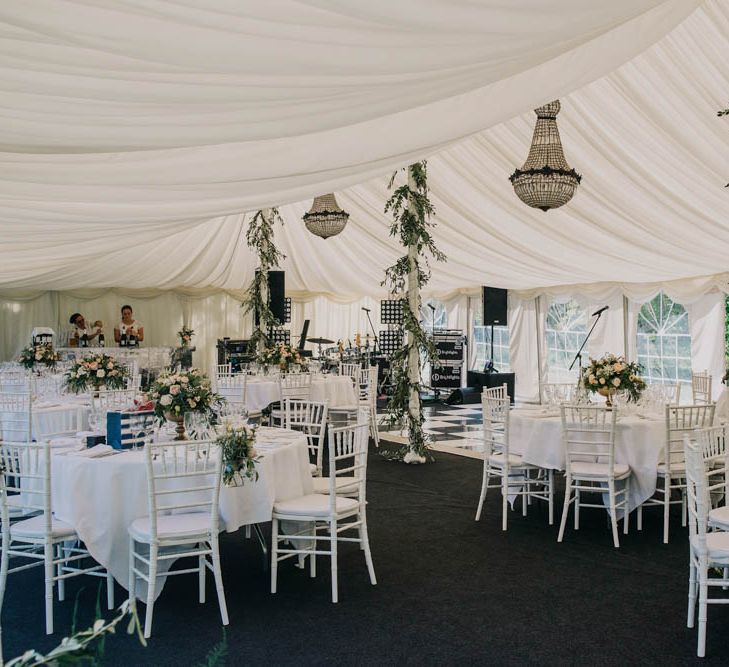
<point x="135" y="136"/>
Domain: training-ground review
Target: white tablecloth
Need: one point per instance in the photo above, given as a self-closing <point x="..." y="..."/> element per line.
<point x="262" y="391"/>
<point x="638" y="442"/>
<point x="101" y="497"/>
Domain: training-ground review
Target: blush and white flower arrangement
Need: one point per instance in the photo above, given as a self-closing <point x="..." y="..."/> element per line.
<point x="41" y="354"/>
<point x="613" y="373"/>
<point x="174" y="394"/>
<point x="282" y="355"/>
<point x="94" y="372"/>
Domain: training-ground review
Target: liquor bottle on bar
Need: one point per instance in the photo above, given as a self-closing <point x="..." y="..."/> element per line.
<point x="123" y="337"/>
<point x="102" y="342"/>
<point x="84" y="341"/>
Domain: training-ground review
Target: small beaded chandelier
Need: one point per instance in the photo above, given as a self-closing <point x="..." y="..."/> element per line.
<point x="545" y="180"/>
<point x="325" y="218"/>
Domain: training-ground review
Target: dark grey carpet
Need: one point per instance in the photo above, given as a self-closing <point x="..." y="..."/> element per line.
<point x="450" y="591"/>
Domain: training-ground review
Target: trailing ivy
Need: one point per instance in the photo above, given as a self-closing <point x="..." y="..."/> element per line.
<point x="259" y="238"/>
<point x="411" y="210"/>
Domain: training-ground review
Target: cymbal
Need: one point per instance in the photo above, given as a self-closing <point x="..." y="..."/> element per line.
<point x="319" y="341"/>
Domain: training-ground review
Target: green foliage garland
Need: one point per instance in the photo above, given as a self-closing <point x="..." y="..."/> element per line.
<point x="260" y="239"/>
<point x="410" y="210"/>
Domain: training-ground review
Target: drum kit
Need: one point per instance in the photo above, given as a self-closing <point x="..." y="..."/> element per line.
<point x="331" y="353"/>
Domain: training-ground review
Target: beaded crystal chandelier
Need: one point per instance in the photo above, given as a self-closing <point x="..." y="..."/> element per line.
<point x="325" y="218"/>
<point x="545" y="180"/>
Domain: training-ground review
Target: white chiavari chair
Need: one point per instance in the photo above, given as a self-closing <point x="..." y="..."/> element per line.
<point x="296" y="386"/>
<point x="368" y="398"/>
<point x="16" y="416"/>
<point x="309" y="417"/>
<point x="680" y="421"/>
<point x="701" y="387"/>
<point x="351" y="371"/>
<point x="708" y="552"/>
<point x="513" y="476"/>
<point x="500" y="392"/>
<point x="589" y="442"/>
<point x="183" y="488"/>
<point x="345" y="485"/>
<point x="15" y="378"/>
<point x="42" y="540"/>
<point x="337" y="513"/>
<point x="110" y="400"/>
<point x="712" y="443"/>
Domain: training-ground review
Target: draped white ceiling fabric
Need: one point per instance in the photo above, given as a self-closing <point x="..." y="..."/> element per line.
<point x="134" y="134"/>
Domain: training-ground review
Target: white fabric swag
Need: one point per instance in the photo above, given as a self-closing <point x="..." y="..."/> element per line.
<point x="139" y="142"/>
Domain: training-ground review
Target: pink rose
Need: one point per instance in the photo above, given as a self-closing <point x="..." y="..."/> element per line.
<point x="175" y="389"/>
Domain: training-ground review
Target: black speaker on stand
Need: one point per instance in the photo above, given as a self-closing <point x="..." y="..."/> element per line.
<point x="276" y="296"/>
<point x="495" y="313"/>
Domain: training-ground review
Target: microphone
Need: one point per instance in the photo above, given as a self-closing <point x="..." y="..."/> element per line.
<point x="367" y="310"/>
<point x="431" y="306"/>
<point x="600" y="311"/>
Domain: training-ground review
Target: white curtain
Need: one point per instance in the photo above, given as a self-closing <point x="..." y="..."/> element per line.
<point x="524" y="344"/>
<point x="708" y="349"/>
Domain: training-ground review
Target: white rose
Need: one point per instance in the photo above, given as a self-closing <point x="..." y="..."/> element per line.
<point x="100" y="373"/>
<point x="166" y="400"/>
<point x="616" y="382"/>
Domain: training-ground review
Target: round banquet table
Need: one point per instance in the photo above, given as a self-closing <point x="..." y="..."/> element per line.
<point x="537" y="435"/>
<point x="261" y="391"/>
<point x="101" y="497"/>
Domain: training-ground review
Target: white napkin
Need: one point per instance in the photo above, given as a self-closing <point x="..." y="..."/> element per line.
<point x="39" y="405"/>
<point x="97" y="452"/>
<point x="71" y="441"/>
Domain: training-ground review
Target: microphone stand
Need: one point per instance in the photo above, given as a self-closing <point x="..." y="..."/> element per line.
<point x="578" y="356"/>
<point x="374" y="335"/>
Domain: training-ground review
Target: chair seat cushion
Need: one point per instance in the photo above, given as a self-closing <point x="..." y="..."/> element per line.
<point x="498" y="460"/>
<point x="35" y="528"/>
<point x="717" y="546"/>
<point x="719" y="518"/>
<point x="590" y="469"/>
<point x="678" y="469"/>
<point x="314" y="504"/>
<point x="343" y="485"/>
<point x="173" y="526"/>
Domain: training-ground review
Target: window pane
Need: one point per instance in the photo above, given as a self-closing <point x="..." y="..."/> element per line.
<point x="663" y="341"/>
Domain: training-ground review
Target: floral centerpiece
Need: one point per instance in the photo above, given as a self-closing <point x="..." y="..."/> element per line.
<point x="175" y="394"/>
<point x="239" y="455"/>
<point x="41" y="354"/>
<point x="282" y="355"/>
<point x="611" y="374"/>
<point x="185" y="335"/>
<point x="95" y="372"/>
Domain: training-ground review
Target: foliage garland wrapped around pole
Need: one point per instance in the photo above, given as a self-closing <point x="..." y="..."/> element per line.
<point x="411" y="210"/>
<point x="259" y="238"/>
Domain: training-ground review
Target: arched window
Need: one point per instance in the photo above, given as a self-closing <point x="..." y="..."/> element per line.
<point x="435" y="317"/>
<point x="664" y="341"/>
<point x="482" y="342"/>
<point x="565" y="330"/>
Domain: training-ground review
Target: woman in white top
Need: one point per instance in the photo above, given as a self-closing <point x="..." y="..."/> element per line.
<point x="129" y="326"/>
